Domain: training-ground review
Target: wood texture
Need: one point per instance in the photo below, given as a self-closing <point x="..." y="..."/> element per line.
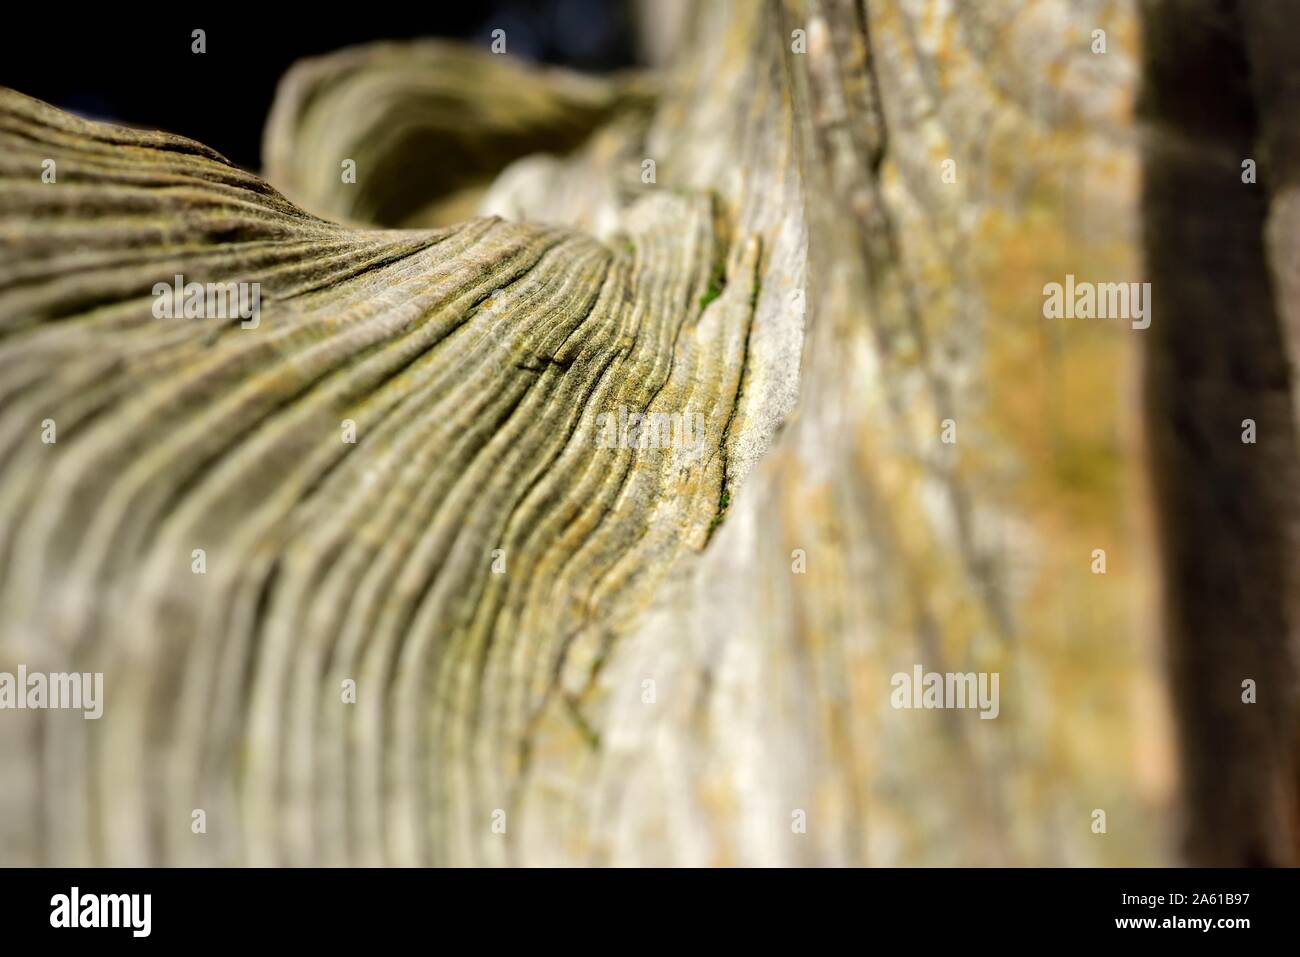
<point x="684" y="651"/>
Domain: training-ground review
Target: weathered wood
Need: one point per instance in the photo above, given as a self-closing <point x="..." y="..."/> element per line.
<point x="618" y="655"/>
<point x="428" y="124"/>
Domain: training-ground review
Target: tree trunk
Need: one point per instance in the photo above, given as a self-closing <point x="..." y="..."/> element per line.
<point x="1219" y="85"/>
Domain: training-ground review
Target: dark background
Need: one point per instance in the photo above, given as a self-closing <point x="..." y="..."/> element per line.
<point x="135" y="66"/>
